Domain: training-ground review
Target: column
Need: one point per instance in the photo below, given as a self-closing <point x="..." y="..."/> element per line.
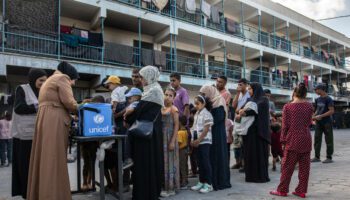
<point x="260" y="69"/>
<point x="103" y="45"/>
<point x="202" y="59"/>
<point x="59" y="29"/>
<point x="276" y="74"/>
<point x="259" y="31"/>
<point x="242" y="20"/>
<point x="299" y="45"/>
<point x="225" y="60"/>
<point x="328" y="50"/>
<point x="3" y="23"/>
<point x="274" y="32"/>
<point x="289" y="78"/>
<point x="223" y="16"/>
<point x="140" y="40"/>
<point x="243" y="62"/>
<point x="287" y="38"/>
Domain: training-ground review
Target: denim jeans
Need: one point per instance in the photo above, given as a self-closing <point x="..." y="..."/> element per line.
<point x="5" y="149"/>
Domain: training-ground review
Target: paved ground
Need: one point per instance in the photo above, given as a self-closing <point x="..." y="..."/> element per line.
<point x="327" y="181"/>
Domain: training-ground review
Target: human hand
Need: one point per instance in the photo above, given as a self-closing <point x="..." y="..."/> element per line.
<point x="195" y="143"/>
<point x="171" y="146"/>
<point x="317" y="117"/>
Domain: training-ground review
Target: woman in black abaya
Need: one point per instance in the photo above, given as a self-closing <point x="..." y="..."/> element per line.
<point x="147" y="154"/>
<point x="256" y="151"/>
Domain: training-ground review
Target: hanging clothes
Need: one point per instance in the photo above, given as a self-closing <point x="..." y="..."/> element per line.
<point x="230" y="26"/>
<point x="65" y="29"/>
<point x="160" y="4"/>
<point x="95" y="39"/>
<point x="147" y="57"/>
<point x="215" y="15"/>
<point x="206" y="8"/>
<point x="190" y="6"/>
<point x="70" y="40"/>
<point x="325" y="54"/>
<point x="180" y="4"/>
<point x="118" y="53"/>
<point x="160" y="59"/>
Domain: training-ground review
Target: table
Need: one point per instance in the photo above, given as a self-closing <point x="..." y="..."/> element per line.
<point x="100" y="139"/>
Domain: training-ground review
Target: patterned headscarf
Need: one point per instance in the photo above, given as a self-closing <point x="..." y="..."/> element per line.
<point x="152" y="92"/>
<point x="214" y="95"/>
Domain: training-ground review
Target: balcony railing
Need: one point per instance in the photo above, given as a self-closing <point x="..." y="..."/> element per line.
<point x="49" y="45"/>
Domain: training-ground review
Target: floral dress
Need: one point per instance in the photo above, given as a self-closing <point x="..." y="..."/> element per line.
<point x="171" y="158"/>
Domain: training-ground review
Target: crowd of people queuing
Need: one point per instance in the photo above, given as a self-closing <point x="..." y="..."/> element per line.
<point x="157" y="166"/>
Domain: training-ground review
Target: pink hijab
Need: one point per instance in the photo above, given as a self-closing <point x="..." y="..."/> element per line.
<point x="214" y="95"/>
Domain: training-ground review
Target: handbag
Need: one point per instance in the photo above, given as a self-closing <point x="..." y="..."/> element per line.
<point x="142" y="128"/>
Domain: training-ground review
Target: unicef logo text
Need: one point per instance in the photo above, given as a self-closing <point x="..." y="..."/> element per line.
<point x="99" y="119"/>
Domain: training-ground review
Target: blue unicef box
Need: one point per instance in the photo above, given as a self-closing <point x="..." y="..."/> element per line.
<point x="95" y="119"/>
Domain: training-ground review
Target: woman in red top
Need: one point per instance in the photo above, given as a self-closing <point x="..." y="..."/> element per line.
<point x="296" y="138"/>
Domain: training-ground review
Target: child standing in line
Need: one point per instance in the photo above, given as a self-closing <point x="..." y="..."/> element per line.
<point x="170" y="119"/>
<point x="182" y="136"/>
<point x="276" y="146"/>
<point x="5" y="140"/>
<point x="202" y="139"/>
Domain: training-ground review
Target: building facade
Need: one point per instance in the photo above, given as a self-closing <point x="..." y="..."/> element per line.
<point x="201" y="39"/>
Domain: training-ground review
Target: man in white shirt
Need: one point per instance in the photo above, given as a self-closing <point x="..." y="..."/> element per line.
<point x="237" y="104"/>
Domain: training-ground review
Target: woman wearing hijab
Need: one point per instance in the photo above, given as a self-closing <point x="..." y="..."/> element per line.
<point x="23" y="126"/>
<point x="48" y="171"/>
<point x="256" y="152"/>
<point x="147" y="154"/>
<point x="218" y="150"/>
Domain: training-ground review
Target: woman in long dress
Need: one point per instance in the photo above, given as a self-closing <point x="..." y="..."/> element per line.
<point x="147" y="154"/>
<point x="48" y="172"/>
<point x="24" y="115"/>
<point x="256" y="151"/>
<point x="218" y="150"/>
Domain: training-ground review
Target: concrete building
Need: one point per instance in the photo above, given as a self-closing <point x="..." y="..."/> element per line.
<point x="259" y="40"/>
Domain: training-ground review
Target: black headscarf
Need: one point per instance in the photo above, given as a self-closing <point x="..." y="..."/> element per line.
<point x="33" y="75"/>
<point x="68" y="69"/>
<point x="263" y="111"/>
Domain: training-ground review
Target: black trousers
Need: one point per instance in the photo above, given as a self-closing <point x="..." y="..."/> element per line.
<point x="203" y="154"/>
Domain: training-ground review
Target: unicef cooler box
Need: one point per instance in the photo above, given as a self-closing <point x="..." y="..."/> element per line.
<point x="95" y="119"/>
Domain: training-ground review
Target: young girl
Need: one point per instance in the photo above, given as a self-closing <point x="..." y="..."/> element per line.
<point x="202" y="140"/>
<point x="170" y="119"/>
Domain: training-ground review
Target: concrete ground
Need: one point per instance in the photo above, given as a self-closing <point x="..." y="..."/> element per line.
<point x="327" y="181"/>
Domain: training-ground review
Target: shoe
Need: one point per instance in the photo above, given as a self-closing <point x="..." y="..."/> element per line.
<point x="301" y="195"/>
<point x="197" y="187"/>
<point x="206" y="188"/>
<point x="236" y="166"/>
<point x="241" y="170"/>
<point x="184" y="187"/>
<point x="328" y="160"/>
<point x="164" y="194"/>
<point x="171" y="193"/>
<point x="277" y="193"/>
<point x="128" y="163"/>
<point x="315" y="160"/>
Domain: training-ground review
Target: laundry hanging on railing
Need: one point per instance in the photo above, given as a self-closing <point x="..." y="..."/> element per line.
<point x="325" y="54"/>
<point x="180" y="4"/>
<point x="206" y="8"/>
<point x="147" y="57"/>
<point x="160" y="4"/>
<point x="160" y="59"/>
<point x="232" y="26"/>
<point x="118" y="53"/>
<point x="95" y="39"/>
<point x="215" y="14"/>
<point x="190" y="6"/>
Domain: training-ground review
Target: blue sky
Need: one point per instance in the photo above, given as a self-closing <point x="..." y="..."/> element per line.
<point x="320" y="9"/>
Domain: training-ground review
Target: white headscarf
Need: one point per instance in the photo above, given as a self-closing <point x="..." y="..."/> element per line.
<point x="152" y="92"/>
<point x="214" y="95"/>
